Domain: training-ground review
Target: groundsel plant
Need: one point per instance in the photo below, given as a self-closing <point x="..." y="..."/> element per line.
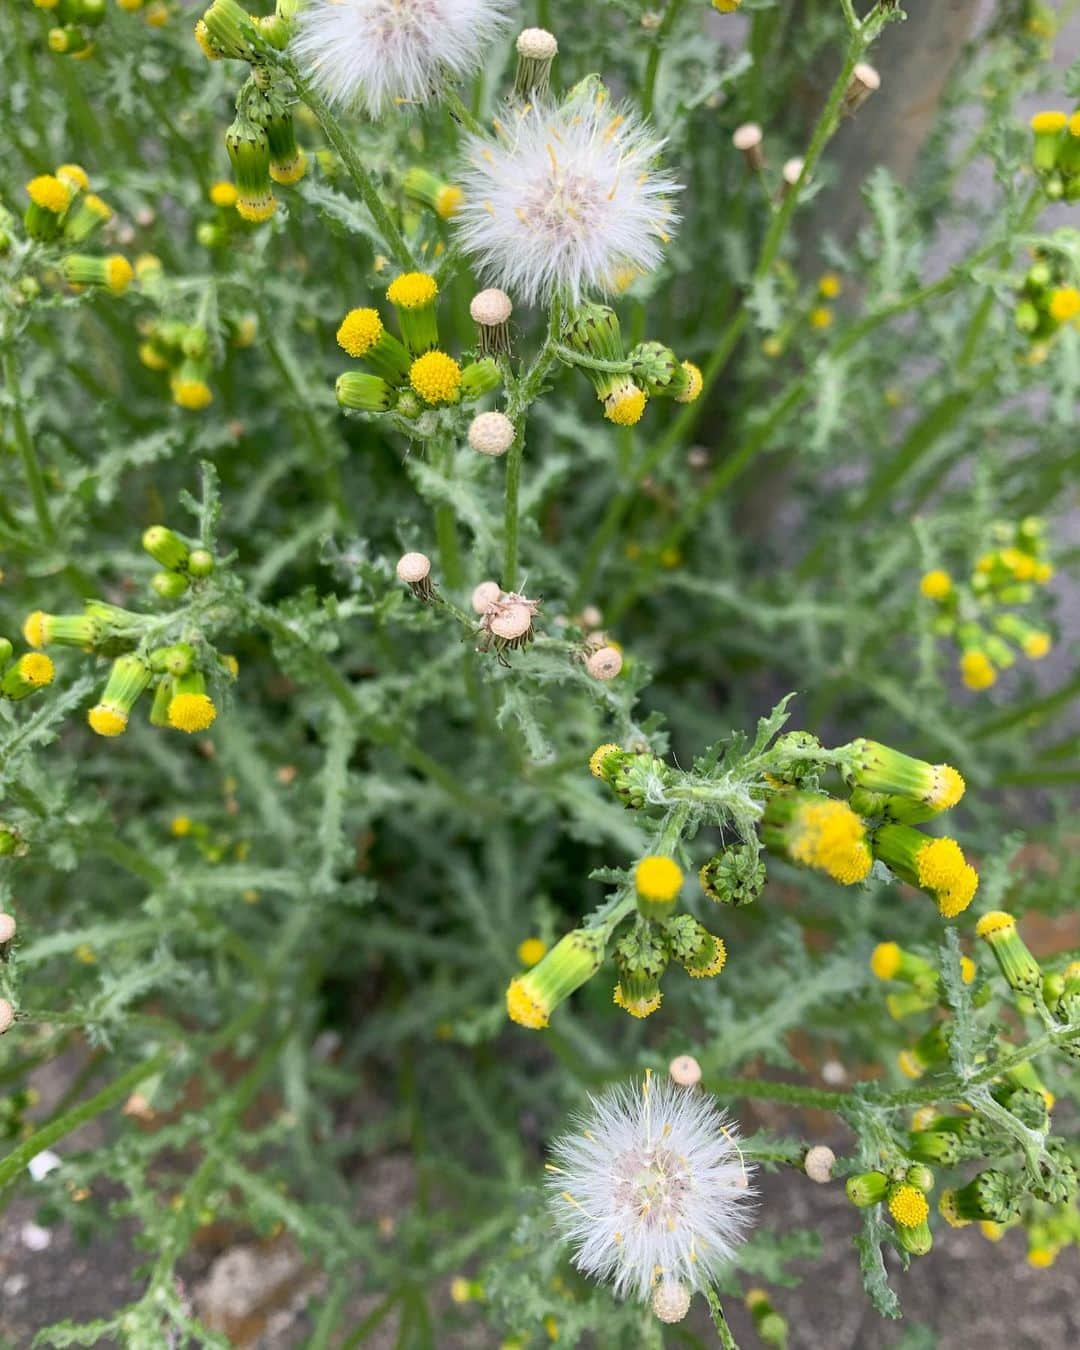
<point x="651" y="1192"/>
<point x="428" y="458"/>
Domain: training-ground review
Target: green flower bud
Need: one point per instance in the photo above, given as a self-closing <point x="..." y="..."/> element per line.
<point x="249" y="154"/>
<point x="654" y="368"/>
<point x="229" y="31"/>
<point x="159" y="708"/>
<point x="414" y="296"/>
<point x="287" y="161"/>
<point x="200" y="562"/>
<point x="771" y="1327"/>
<point x="1020" y="969"/>
<point x="85" y="217"/>
<point x="921" y="1177"/>
<point x="867" y="1188"/>
<point x="480" y="378"/>
<point x="734" y="877"/>
<point x="177" y="659"/>
<point x="6" y="650"/>
<point x="129" y="676"/>
<point x="879" y="768"/>
<point x="31" y="672"/>
<point x="1049" y="129"/>
<point x="362" y="392"/>
<point x="937" y="1145"/>
<point x="165" y="547"/>
<point x="169" y="585"/>
<point x="917" y="1240"/>
<point x="425" y="187"/>
<point x="532" y="997"/>
<point x="992" y="1195"/>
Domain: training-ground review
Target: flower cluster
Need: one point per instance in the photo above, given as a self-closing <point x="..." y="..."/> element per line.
<point x="1048" y="299"/>
<point x="79" y="20"/>
<point x="409" y="374"/>
<point x="981" y="613"/>
<point x="61" y="212"/>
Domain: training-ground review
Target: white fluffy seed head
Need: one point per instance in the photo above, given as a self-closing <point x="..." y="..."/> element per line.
<point x="491" y="307"/>
<point x="485" y="596"/>
<point x="7" y="928"/>
<point x="7" y="1015"/>
<point x="604" y="664"/>
<point x="537" y="44"/>
<point x="818" y="1163"/>
<point x="792" y="171"/>
<point x="566" y="200"/>
<point x="671" y="1301"/>
<point x="491" y="433"/>
<point x="685" y="1070"/>
<point x="413" y="567"/>
<point x="371" y="53"/>
<point x="747" y="136"/>
<point x="513" y="622"/>
<point x="650" y="1187"/>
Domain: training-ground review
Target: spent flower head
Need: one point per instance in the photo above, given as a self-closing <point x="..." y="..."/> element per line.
<point x="375" y="52"/>
<point x="566" y="198"/>
<point x="650" y="1187"/>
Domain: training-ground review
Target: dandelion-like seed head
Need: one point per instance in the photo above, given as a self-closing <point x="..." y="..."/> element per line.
<point x="566" y="199"/>
<point x="376" y="52"/>
<point x="650" y="1188"/>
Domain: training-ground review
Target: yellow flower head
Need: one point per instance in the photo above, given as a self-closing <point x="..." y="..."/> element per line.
<point x="49" y="193"/>
<point x="436" y="377"/>
<point x="523" y="1008"/>
<point x="941" y="867"/>
<point x="821" y="317"/>
<point x="224" y="193"/>
<point x="968" y="969"/>
<point x="531" y="950"/>
<point x="34" y="629"/>
<point x="360" y="330"/>
<point x="715" y="966"/>
<point x="935" y="584"/>
<point x="624" y="405"/>
<point x="1065" y="304"/>
<point x="1036" y="645"/>
<point x="118" y="273"/>
<point x="1042" y="1257"/>
<point x="908" y="1206"/>
<point x="993" y="1232"/>
<point x="948" y="787"/>
<point x="996" y="921"/>
<point x="829" y="286"/>
<point x="726" y="6"/>
<point x="107" y="720"/>
<point x="36" y="669"/>
<point x="1044" y="122"/>
<point x="977" y="670"/>
<point x="256" y="209"/>
<point x="180" y="826"/>
<point x="191" y="394"/>
<point x="658" y="879"/>
<point x="191" y="712"/>
<point x="696" y="383"/>
<point x="885" y="960"/>
<point x="829" y="835"/>
<point x="596" y="759"/>
<point x="412" y="290"/>
<point x="74" y="175"/>
<point x="448" y="202"/>
<point x="908" y="1065"/>
<point x="640" y="1005"/>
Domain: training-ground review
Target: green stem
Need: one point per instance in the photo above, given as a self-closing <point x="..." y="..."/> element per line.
<point x="392" y="236"/>
<point x="35" y="479"/>
<point x="53" y="1130"/>
<point x="652" y="66"/>
<point x="457" y="109"/>
<point x="446" y="522"/>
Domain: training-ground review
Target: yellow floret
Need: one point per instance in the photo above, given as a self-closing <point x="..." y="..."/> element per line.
<point x="658" y="879"/>
<point x="74" y="173"/>
<point x="36" y="668"/>
<point x="829" y="286"/>
<point x="948" y="787"/>
<point x="821" y="317"/>
<point x="908" y="1065"/>
<point x="191" y="712"/>
<point x="1044" y="572"/>
<point x="118" y="273"/>
<point x="436" y="377"/>
<point x="359" y="331"/>
<point x="1044" y="122"/>
<point x="596" y="759"/>
<point x="1042" y="1257"/>
<point x="641" y="1006"/>
<point x="935" y="584"/>
<point x="256" y="209"/>
<point x="885" y="960"/>
<point x="224" y="193"/>
<point x="1065" y="304"/>
<point x="202" y="37"/>
<point x="977" y="670"/>
<point x="291" y="172"/>
<point x="715" y="966"/>
<point x="967" y="969"/>
<point x="831" y="837"/>
<point x="412" y="290"/>
<point x="107" y="720"/>
<point x="531" y="950"/>
<point x="523" y="1008"/>
<point x="191" y="394"/>
<point x="996" y="921"/>
<point x="34" y="629"/>
<point x="694" y="388"/>
<point x="625" y="406"/>
<point x="941" y="867"/>
<point x="1036" y="645"/>
<point x="908" y="1206"/>
<point x="180" y="826"/>
<point x="49" y="193"/>
<point x="448" y="201"/>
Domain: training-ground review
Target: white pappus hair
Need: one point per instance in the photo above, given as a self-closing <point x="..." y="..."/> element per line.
<point x="650" y="1187"/>
<point x="566" y="199"/>
<point x="371" y="52"/>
